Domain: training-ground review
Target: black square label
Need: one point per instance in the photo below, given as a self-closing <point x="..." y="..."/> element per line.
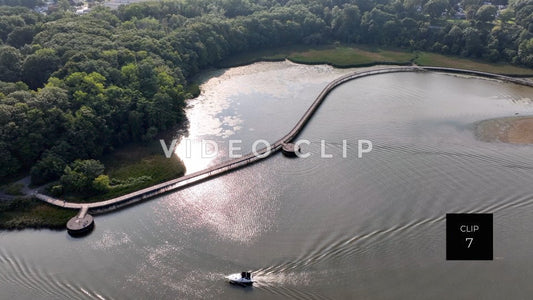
<point x="469" y="237"/>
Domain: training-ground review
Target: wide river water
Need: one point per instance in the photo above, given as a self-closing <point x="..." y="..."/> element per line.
<point x="313" y="228"/>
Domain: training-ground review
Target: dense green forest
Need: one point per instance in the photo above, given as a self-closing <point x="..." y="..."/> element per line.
<point x="73" y="87"/>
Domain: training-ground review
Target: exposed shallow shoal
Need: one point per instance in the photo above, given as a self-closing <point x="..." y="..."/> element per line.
<point x="514" y="130"/>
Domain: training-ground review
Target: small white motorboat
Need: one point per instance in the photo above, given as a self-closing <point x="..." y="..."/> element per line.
<point x="244" y="278"/>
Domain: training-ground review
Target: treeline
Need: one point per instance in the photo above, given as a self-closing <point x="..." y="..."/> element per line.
<point x="74" y="87"/>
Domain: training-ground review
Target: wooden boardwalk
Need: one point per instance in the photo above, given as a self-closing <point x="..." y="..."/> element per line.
<point x="224" y="167"/>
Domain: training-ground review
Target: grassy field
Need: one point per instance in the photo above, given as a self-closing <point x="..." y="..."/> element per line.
<point x="32" y="213"/>
<point x="141" y="161"/>
<point x="275" y="54"/>
<point x="438" y="60"/>
<point x="132" y="168"/>
<point x="343" y="56"/>
<point x="350" y="56"/>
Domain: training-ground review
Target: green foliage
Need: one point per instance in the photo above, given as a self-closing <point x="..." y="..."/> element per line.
<point x="101" y="184"/>
<point x="130" y="169"/>
<point x="486" y="13"/>
<point x="130" y="182"/>
<point x="344" y="56"/>
<point x="10" y="164"/>
<point x="25" y="212"/>
<point x="80" y="175"/>
<point x="56" y="190"/>
<point x="345" y="23"/>
<point x="20" y="36"/>
<point x="432" y="59"/>
<point x="10" y="64"/>
<point x="77" y="87"/>
<point x="14" y="189"/>
<point x="15" y="18"/>
<point x="506" y="15"/>
<point x="39" y="66"/>
<point x="436" y="8"/>
<point x="194" y="90"/>
<point x="47" y="169"/>
<point x="526" y="51"/>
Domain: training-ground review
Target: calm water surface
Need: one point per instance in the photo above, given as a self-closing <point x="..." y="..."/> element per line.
<point x="338" y="228"/>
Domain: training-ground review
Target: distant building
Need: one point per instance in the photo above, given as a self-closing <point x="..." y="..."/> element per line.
<point x="83" y="10"/>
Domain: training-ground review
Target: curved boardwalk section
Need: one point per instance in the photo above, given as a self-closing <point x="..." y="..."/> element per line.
<point x="112" y="204"/>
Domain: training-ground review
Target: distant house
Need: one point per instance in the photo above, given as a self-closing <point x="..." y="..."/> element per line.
<point x="82" y="10"/>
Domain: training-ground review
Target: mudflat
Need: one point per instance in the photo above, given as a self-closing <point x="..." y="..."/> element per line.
<point x="514" y="130"/>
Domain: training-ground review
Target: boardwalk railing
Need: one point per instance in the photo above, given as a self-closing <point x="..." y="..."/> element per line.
<point x="196" y="177"/>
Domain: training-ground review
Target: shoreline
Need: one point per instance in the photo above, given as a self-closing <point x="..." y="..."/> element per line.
<point x="200" y="176"/>
<point x="344" y="56"/>
<point x="226" y="166"/>
<point x="255" y="57"/>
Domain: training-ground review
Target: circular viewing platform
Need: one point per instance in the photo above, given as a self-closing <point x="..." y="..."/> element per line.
<point x="80" y="225"/>
<point x="290" y="149"/>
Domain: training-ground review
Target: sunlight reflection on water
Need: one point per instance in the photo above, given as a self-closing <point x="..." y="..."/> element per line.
<point x="215" y="115"/>
<point x="237" y="209"/>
